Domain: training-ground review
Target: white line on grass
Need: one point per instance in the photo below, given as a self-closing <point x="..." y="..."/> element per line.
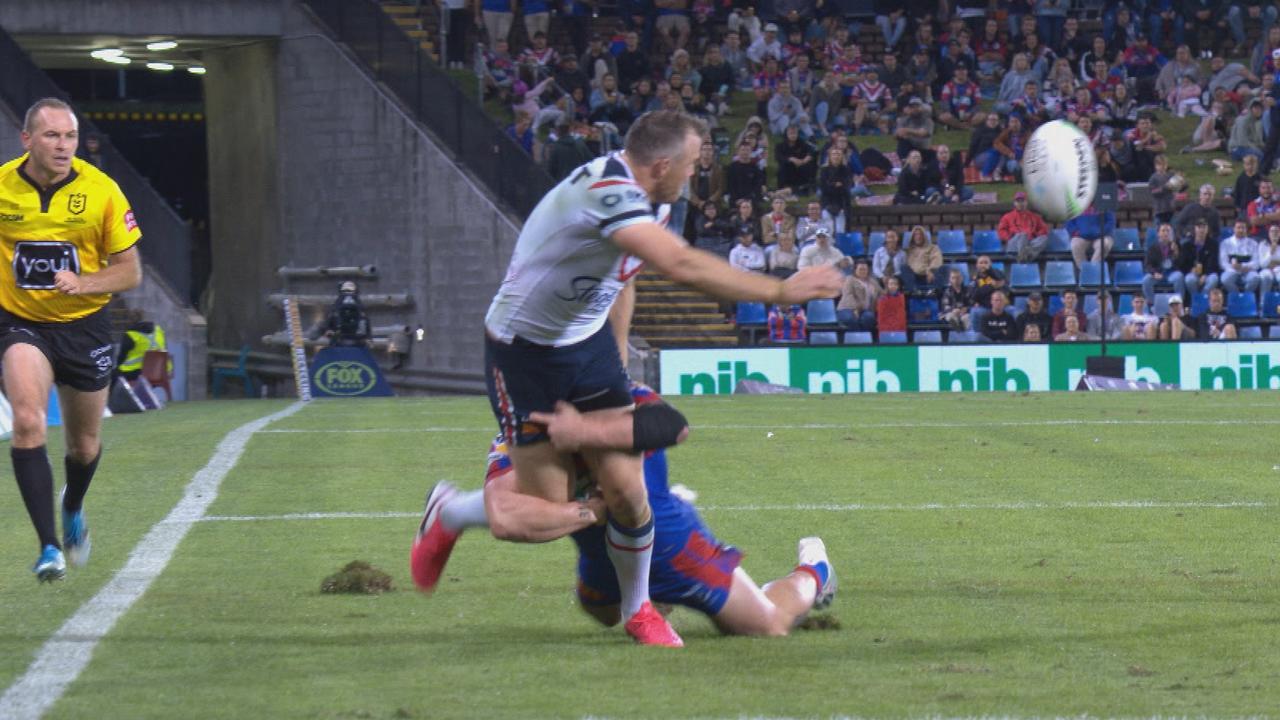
<point x="854" y="507"/>
<point x="61" y="659"/>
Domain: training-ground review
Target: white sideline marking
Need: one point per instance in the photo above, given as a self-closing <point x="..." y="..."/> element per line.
<point x="64" y="655"/>
<point x="823" y="426"/>
<point x="855" y="507"/>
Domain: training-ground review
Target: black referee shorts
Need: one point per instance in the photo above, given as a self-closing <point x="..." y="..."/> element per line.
<point x="80" y="351"/>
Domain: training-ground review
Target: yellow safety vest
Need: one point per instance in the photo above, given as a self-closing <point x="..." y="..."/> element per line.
<point x="142" y="342"/>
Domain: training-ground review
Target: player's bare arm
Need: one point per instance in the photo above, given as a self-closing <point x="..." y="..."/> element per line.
<point x="620" y="318"/>
<point x="124" y="273"/>
<point x="515" y="517"/>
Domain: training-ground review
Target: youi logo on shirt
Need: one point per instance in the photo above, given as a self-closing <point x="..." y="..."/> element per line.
<point x="35" y="262"/>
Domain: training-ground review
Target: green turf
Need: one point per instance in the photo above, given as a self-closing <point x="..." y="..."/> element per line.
<point x="985" y="566"/>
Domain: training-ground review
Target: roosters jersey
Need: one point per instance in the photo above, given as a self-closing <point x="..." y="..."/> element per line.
<point x="565" y="273"/>
<point x="76" y="225"/>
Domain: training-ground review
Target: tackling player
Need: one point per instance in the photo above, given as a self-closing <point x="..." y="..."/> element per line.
<point x="549" y="339"/>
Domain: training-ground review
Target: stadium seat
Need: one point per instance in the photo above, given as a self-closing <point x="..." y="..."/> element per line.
<point x="999" y="265"/>
<point x="1226" y="232"/>
<point x="875" y="241"/>
<point x="1024" y="275"/>
<point x="1153" y="233"/>
<point x="1059" y="273"/>
<point x="965" y="336"/>
<point x="1250" y="332"/>
<point x="893" y="338"/>
<point x="1059" y="242"/>
<point x="964" y="270"/>
<point x="821" y="312"/>
<point x="951" y="242"/>
<point x="928" y="336"/>
<point x="751" y="313"/>
<point x="822" y="338"/>
<point x="1089" y="303"/>
<point x="1242" y="304"/>
<point x="1054" y="304"/>
<point x="850" y="243"/>
<point x="1271" y="305"/>
<point x="1128" y="273"/>
<point x="1092" y="274"/>
<point x="1273" y="332"/>
<point x="1126" y="240"/>
<point x="1019" y="305"/>
<point x="1125" y="304"/>
<point x="1162" y="304"/>
<point x="857" y="338"/>
<point x="922" y="310"/>
<point x="987" y="242"/>
<point x="1199" y="304"/>
<point x="239" y="372"/>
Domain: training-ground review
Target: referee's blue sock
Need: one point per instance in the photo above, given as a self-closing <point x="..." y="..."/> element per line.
<point x="34" y="474"/>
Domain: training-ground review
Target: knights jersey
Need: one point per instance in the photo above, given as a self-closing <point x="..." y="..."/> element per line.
<point x="565" y="272"/>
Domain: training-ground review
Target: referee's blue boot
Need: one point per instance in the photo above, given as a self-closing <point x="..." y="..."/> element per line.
<point x="75" y="535"/>
<point x="50" y="566"/>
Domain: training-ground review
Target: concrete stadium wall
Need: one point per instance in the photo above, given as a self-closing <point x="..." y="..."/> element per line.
<point x="10" y="134"/>
<point x="144" y="17"/>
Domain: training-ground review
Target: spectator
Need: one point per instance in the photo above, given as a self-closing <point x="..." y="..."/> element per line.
<point x="803" y="79"/>
<point x="998" y="325"/>
<point x="1071" y="45"/>
<point x="988" y="283"/>
<point x="1254" y="12"/>
<point x="1140" y="324"/>
<point x="1023" y="232"/>
<point x="982" y="151"/>
<point x="957" y="301"/>
<point x="633" y="64"/>
<point x="568" y="152"/>
<point x="1088" y="66"/>
<point x="959" y="102"/>
<point x="1185" y="99"/>
<point x="1163" y="185"/>
<point x="921" y="75"/>
<point x="718" y="82"/>
<point x="891" y="307"/>
<point x="779" y="223"/>
<point x="992" y="50"/>
<point x="712" y="232"/>
<point x="1104" y="82"/>
<point x="1071" y="332"/>
<point x="745" y="221"/>
<point x="1146" y="144"/>
<point x="747" y="255"/>
<point x="1050" y="17"/>
<point x="1009" y="145"/>
<point x="822" y="252"/>
<point x="786" y="110"/>
<point x="856" y="309"/>
<point x="1161" y="264"/>
<point x="1216" y="324"/>
<point x="797" y="163"/>
<point x="1082" y="105"/>
<point x="807" y="227"/>
<point x="1068" y="311"/>
<point x="914" y="129"/>
<point x="1174" y="325"/>
<point x="1031" y="333"/>
<point x="597" y="61"/>
<point x="1263" y="211"/>
<point x="1038" y="55"/>
<point x="569" y="76"/>
<point x="889" y="259"/>
<point x="869" y="98"/>
<point x="944" y="178"/>
<point x="1268" y="259"/>
<point x="767" y="46"/>
<point x="1210" y="132"/>
<point x="1013" y="85"/>
<point x="745" y="180"/>
<point x="1203" y="209"/>
<point x="1108" y="169"/>
<point x="1036" y="316"/>
<point x="540" y="56"/>
<point x="521" y="131"/>
<point x="835" y="180"/>
<point x="755" y="136"/>
<point x="787" y="326"/>
<point x="1200" y="268"/>
<point x="1260" y="60"/>
<point x="736" y="57"/>
<point x="672" y="22"/>
<point x="1031" y="108"/>
<point x="825" y="102"/>
<point x="496" y="17"/>
<point x="707" y="185"/>
<point x="892" y="73"/>
<point x="913" y="186"/>
<point x="746" y="23"/>
<point x="892" y="24"/>
<point x="1142" y="62"/>
<point x="1170" y="76"/>
<point x="1237" y="256"/>
<point x="682" y="66"/>
<point x="924" y="263"/>
<point x="1247" y="186"/>
<point x="1115" y="322"/>
<point x="500" y="71"/>
<point x="1091" y="235"/>
<point x="783" y="259"/>
<point x="1246" y="133"/>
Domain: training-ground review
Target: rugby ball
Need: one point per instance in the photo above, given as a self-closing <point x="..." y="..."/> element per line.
<point x="1059" y="171"/>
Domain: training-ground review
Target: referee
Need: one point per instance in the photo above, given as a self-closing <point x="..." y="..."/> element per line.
<point x="68" y="239"/>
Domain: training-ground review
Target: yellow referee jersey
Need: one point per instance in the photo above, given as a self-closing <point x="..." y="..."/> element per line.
<point x="75" y="225"/>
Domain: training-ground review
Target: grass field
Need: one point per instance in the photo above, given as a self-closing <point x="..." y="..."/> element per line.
<point x="1034" y="555"/>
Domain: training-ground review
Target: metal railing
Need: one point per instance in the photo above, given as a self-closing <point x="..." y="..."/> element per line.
<point x="470" y="136"/>
<point x="166" y="237"/>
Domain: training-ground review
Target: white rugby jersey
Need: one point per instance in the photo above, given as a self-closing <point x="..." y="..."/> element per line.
<point x="565" y="273"/>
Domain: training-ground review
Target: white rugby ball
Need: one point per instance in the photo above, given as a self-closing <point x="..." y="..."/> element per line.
<point x="1059" y="171"/>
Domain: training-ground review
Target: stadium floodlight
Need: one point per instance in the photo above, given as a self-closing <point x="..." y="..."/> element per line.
<point x="159" y="66"/>
<point x="118" y="60"/>
<point x="162" y="45"/>
<point x="196" y="70"/>
<point x="106" y="53"/>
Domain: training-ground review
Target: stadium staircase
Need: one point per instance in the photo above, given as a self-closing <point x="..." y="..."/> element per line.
<point x="670" y="315"/>
<point x="420" y="24"/>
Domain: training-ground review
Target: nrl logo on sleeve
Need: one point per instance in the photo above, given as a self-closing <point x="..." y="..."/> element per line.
<point x="129" y="222"/>
<point x="76" y="203"/>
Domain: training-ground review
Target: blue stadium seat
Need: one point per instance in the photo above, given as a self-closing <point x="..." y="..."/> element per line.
<point x="1242" y="304"/>
<point x="922" y="310"/>
<point x="1153" y="233"/>
<point x="850" y="243"/>
<point x="823" y="338"/>
<point x="1059" y="273"/>
<point x="1126" y="240"/>
<point x="928" y="336"/>
<point x="1059" y="242"/>
<point x="951" y="242"/>
<point x="964" y="270"/>
<point x="1199" y="304"/>
<point x="893" y="338"/>
<point x="751" y="313"/>
<point x="1128" y="273"/>
<point x="857" y="338"/>
<point x="1019" y="305"/>
<point x="875" y="241"/>
<point x="821" y="312"/>
<point x="1273" y="332"/>
<point x="1092" y="273"/>
<point x="966" y="336"/>
<point x="1162" y="304"/>
<point x="1125" y="305"/>
<point x="1054" y="304"/>
<point x="987" y="242"/>
<point x="1226" y="232"/>
<point x="1089" y="303"/>
<point x="1024" y="275"/>
<point x="1250" y="332"/>
<point x="999" y="265"/>
<point x="1271" y="305"/>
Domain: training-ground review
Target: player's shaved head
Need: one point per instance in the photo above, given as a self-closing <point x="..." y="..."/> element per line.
<point x="661" y="134"/>
<point x="33" y="113"/>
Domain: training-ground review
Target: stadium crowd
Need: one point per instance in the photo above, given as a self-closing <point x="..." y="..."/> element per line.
<point x="781" y="193"/>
